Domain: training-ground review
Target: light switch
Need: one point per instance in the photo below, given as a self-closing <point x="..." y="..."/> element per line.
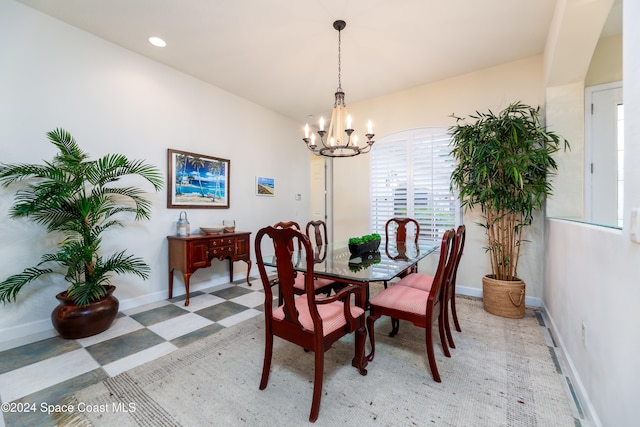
<point x="298" y="196"/>
<point x="635" y="225"/>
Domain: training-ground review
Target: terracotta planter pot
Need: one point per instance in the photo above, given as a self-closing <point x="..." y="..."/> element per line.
<point x="503" y="298"/>
<point x="72" y="321"/>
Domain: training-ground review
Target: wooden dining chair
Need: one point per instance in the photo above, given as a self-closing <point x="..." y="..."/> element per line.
<point x="416" y="306"/>
<point x="424" y="281"/>
<point x="316" y="231"/>
<point x="320" y="285"/>
<point x="287" y="224"/>
<point x="310" y="321"/>
<point x="280" y="225"/>
<point x="396" y="232"/>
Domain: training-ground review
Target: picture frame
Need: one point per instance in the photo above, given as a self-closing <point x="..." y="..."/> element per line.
<point x="198" y="181"/>
<point x="265" y="186"/>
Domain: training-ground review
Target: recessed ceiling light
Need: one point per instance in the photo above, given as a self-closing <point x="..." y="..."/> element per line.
<point x="157" y="41"/>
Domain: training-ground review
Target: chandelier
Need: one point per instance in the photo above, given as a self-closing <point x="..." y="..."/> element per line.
<point x="340" y="140"/>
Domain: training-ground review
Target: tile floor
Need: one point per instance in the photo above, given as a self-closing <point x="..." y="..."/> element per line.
<point x="45" y="371"/>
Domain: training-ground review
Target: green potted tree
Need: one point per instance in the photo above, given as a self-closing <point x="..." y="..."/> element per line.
<point x="503" y="165"/>
<point x="79" y="200"/>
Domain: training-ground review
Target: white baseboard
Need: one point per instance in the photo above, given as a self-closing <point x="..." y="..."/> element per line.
<point x="16" y="336"/>
<point x="589" y="411"/>
<point x="41" y="329"/>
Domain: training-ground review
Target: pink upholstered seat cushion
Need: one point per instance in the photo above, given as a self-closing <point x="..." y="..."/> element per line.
<point x="417" y="281"/>
<point x="318" y="282"/>
<point x="403" y="298"/>
<point x="332" y="314"/>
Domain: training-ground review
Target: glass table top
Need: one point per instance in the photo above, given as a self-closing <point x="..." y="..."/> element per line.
<point x="335" y="261"/>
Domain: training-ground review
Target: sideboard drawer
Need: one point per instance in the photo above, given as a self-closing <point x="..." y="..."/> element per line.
<point x="221" y="251"/>
<point x="222" y="241"/>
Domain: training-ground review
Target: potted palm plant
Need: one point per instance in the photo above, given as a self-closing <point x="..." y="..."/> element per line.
<point x="503" y="165"/>
<point x="79" y="200"/>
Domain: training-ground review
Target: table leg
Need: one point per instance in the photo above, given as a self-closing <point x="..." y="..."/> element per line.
<point x="362" y="297"/>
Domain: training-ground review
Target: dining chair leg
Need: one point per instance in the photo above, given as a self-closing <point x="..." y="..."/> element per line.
<point x="443" y="335"/>
<point x="395" y="327"/>
<point x="317" y="386"/>
<point x="430" y="354"/>
<point x="454" y="313"/>
<point x="372" y="337"/>
<point x="447" y="327"/>
<point x="359" y="361"/>
<point x="266" y="366"/>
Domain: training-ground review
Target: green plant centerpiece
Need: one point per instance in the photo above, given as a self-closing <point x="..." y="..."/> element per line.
<point x="503" y="165"/>
<point x="363" y="244"/>
<point x="78" y="199"/>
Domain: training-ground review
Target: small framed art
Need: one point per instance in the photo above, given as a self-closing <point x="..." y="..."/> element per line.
<point x="265" y="186"/>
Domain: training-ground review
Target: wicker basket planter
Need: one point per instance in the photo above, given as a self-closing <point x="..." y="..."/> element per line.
<point x="503" y="298"/>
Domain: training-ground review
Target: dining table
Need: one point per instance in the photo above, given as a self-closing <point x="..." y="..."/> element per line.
<point x="334" y="261"/>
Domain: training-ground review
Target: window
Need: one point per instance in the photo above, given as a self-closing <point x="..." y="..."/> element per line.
<point x="410" y="176"/>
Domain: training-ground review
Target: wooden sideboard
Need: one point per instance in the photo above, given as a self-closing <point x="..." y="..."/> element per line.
<point x="189" y="253"/>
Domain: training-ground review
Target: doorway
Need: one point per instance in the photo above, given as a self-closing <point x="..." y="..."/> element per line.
<point x="604" y="154"/>
<point x="321" y="200"/>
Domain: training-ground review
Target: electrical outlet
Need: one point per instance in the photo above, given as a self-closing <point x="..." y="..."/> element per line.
<point x="584" y="335"/>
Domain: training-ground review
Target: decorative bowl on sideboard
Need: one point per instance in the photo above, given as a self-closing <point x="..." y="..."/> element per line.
<point x="212" y="229"/>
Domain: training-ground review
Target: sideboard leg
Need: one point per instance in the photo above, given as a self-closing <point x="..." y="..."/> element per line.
<point x="248" y="271"/>
<point x="186" y="288"/>
<point x="170" y="283"/>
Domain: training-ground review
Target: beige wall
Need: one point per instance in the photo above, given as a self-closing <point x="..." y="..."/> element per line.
<point x="112" y="100"/>
<point x="565" y="115"/>
<point x="432" y="105"/>
<point x="606" y="63"/>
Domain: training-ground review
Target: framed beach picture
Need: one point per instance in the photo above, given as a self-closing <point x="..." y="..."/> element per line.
<point x="265" y="186"/>
<point x="197" y="181"/>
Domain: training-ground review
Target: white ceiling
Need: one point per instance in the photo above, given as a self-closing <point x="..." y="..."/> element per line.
<point x="282" y="54"/>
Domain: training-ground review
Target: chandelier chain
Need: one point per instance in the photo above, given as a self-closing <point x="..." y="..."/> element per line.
<point x="339" y="62"/>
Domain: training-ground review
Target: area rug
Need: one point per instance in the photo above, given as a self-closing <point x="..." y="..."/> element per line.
<point x="500" y="374"/>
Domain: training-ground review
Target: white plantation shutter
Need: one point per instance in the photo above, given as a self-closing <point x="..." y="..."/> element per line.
<point x="410" y="177"/>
